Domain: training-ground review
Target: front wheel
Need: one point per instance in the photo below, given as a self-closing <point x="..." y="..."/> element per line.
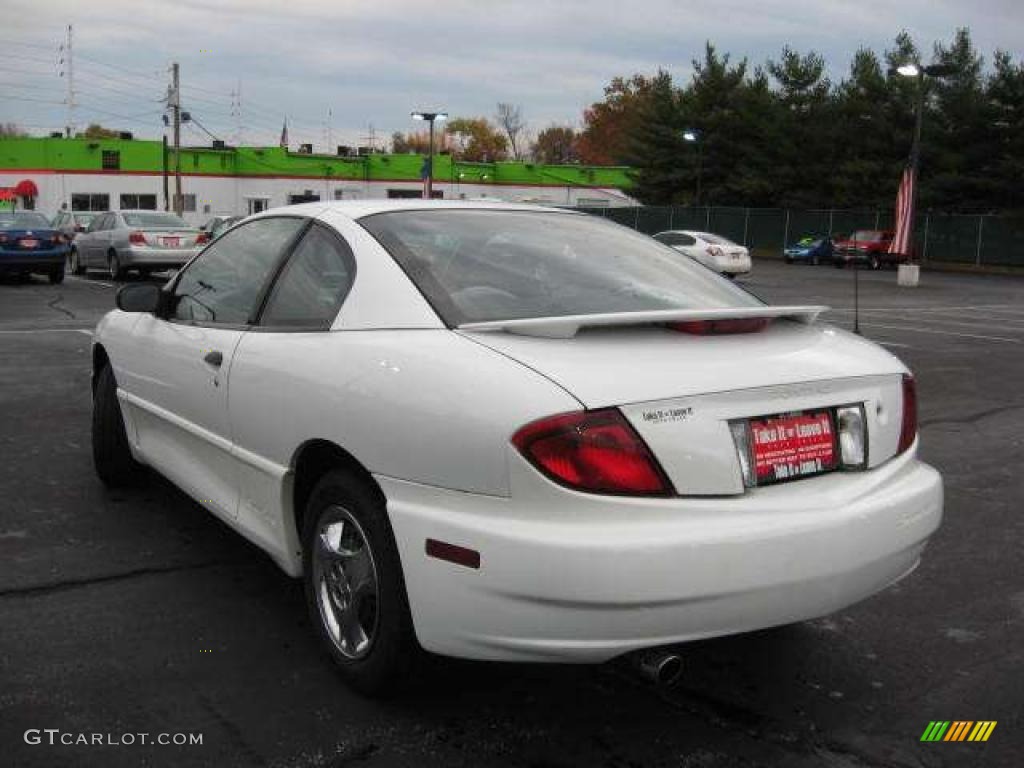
<point x="75" y="263"/>
<point x="111" y="454"/>
<point x="355" y="590"/>
<point x="814" y="261"/>
<point x="114" y="266"/>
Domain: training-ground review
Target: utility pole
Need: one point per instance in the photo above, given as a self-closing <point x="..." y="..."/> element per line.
<point x="69" y="75"/>
<point x="175" y="104"/>
<point x="236" y="112"/>
<point x="167" y="195"/>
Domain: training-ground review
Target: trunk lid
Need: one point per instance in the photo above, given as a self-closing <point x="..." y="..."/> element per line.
<point x="680" y="391"/>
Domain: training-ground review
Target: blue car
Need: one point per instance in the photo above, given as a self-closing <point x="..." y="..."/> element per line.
<point x="29" y="244"/>
<point x="809" y="250"/>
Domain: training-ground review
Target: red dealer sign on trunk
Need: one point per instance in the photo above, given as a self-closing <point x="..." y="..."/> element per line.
<point x="792" y="446"/>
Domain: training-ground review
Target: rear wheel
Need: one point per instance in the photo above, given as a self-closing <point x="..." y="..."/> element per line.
<point x="355" y="590"/>
<point x="57" y="275"/>
<point x="875" y="263"/>
<point x="814" y="261"/>
<point x="114" y="266"/>
<point x="110" y="452"/>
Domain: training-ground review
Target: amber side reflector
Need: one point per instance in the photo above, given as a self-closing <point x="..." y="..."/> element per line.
<point x="453" y="553"/>
<point x="724" y="326"/>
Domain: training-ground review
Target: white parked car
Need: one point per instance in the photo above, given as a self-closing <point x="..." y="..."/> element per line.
<point x="713" y="251"/>
<point x="498" y="431"/>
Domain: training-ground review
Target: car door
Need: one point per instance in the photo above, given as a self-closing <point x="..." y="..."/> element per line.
<point x="270" y="377"/>
<point x="86" y="243"/>
<point x="176" y="373"/>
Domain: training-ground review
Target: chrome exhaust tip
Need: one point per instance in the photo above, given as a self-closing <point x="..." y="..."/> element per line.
<point x="663" y="668"/>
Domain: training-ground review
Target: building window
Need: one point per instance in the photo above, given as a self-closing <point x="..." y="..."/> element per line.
<point x="305" y="197"/>
<point x="188" y="203"/>
<point x="258" y="204"/>
<point x="138" y="202"/>
<point x="89" y="202"/>
<point x="111" y="160"/>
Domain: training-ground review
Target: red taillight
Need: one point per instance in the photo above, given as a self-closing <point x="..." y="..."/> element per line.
<point x="3" y="238"/>
<point x="596" y="451"/>
<point x="908" y="427"/>
<point x="58" y="238"/>
<point x="714" y="250"/>
<point x="723" y="326"/>
<point x="201" y="238"/>
<point x="137" y="238"/>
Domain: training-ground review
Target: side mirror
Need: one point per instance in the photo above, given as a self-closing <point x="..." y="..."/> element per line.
<point x="140" y="298"/>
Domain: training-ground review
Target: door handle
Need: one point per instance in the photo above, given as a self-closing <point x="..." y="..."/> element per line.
<point x="214" y="358"/>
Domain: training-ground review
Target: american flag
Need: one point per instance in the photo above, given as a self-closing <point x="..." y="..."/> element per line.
<point x="904" y="214"/>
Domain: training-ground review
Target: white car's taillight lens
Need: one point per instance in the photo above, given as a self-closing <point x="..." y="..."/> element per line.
<point x="853" y="450"/>
<point x="908" y="427"/>
<point x="594" y="451"/>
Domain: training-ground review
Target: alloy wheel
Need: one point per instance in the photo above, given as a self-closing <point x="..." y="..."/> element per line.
<point x="345" y="582"/>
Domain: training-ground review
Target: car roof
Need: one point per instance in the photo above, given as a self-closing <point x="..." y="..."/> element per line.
<point x="357" y="209"/>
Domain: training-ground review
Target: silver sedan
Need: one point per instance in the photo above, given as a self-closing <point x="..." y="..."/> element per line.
<point x="146" y="241"/>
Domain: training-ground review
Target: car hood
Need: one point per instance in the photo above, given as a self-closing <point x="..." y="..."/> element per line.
<point x="615" y="366"/>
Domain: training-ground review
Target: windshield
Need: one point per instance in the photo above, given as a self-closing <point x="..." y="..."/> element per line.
<point x="714" y="239"/>
<point x="23" y="220"/>
<point x="869" y="235"/>
<point x="155" y="220"/>
<point x="483" y="265"/>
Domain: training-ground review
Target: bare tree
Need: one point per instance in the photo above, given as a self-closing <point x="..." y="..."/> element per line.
<point x="510" y="119"/>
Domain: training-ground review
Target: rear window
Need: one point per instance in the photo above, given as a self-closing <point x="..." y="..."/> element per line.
<point x="715" y="239"/>
<point x="483" y="265"/>
<point x="23" y="220"/>
<point x="868" y="235"/>
<point x="155" y="220"/>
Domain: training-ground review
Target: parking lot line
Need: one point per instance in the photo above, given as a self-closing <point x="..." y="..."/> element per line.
<point x="980" y="323"/>
<point x="914" y="329"/>
<point x="89" y="281"/>
<point x="86" y="331"/>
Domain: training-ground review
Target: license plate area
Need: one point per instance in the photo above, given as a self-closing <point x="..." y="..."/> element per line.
<point x="793" y="445"/>
<point x="171" y="242"/>
<point x="29" y="242"/>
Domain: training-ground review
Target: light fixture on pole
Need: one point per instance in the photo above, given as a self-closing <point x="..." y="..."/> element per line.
<point x="693" y="137"/>
<point x="428" y="170"/>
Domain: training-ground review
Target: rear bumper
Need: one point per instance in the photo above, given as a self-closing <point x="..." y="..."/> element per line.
<point x="24" y="261"/>
<point x="591" y="578"/>
<point x="156" y="257"/>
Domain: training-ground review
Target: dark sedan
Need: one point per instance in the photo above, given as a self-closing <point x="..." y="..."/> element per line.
<point x="809" y="250"/>
<point x="30" y="244"/>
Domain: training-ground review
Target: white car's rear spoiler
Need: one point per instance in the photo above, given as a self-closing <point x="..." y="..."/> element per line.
<point x="566" y="327"/>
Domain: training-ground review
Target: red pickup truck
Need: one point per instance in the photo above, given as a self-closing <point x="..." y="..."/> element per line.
<point x="867" y="247"/>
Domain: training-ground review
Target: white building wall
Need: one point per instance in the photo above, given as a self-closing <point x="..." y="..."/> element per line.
<point x="231" y="195"/>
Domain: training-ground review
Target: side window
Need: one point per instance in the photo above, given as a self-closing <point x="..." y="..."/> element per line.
<point x="686" y="240"/>
<point x="313" y="284"/>
<point x="224" y="283"/>
<point x="98" y="223"/>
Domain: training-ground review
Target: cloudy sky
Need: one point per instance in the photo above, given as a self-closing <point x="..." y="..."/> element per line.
<point x="369" y="63"/>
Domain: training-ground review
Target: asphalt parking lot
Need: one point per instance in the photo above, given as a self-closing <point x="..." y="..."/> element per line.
<point x="138" y="612"/>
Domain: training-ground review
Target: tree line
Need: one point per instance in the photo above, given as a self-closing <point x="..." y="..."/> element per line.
<point x="783" y="134"/>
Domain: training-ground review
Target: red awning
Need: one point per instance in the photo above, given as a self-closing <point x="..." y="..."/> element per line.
<point x="7" y="194"/>
<point x="26" y="188"/>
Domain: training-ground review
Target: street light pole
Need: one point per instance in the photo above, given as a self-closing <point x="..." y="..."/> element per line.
<point x="693" y="137"/>
<point x="430" y="117"/>
<point x="918" y="72"/>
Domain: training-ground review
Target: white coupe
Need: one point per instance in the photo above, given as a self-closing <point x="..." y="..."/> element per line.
<point x="507" y="432"/>
<point x="713" y="251"/>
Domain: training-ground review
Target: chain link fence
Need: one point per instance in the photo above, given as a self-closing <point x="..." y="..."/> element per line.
<point x="939" y="237"/>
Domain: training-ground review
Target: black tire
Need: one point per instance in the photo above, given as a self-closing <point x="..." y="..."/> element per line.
<point x="814" y="261"/>
<point x="57" y="275"/>
<point x="114" y="268"/>
<point x="110" y="452"/>
<point x="788" y="259"/>
<point x="74" y="263"/>
<point x="387" y="664"/>
<point x="875" y="263"/>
